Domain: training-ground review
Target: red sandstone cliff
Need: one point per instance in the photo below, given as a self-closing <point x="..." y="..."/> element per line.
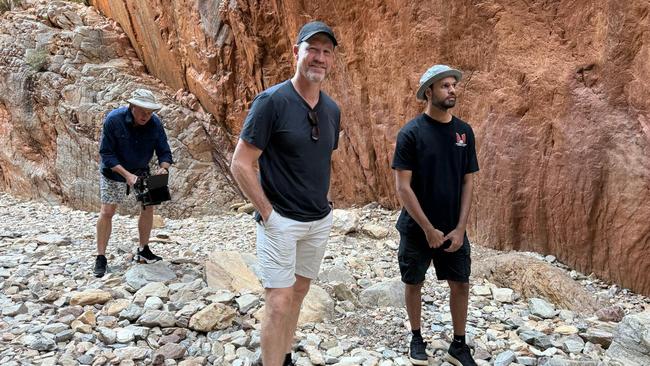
<point x="558" y="94"/>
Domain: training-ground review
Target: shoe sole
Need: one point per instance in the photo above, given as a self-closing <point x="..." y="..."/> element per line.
<point x="143" y="260"/>
<point x="452" y="360"/>
<point x="418" y="362"/>
<point x="99" y="275"/>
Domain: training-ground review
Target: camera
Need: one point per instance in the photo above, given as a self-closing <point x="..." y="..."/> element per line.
<point x="152" y="190"/>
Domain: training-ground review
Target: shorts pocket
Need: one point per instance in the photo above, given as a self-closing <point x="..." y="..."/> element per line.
<point x="269" y="220"/>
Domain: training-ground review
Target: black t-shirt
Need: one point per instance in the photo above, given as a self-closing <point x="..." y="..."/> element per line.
<point x="294" y="169"/>
<point x="438" y="155"/>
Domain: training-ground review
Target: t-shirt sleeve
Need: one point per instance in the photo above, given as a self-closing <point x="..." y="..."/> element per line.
<point x="258" y="125"/>
<point x="472" y="161"/>
<point x="404" y="157"/>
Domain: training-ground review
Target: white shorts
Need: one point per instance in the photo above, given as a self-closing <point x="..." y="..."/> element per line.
<point x="286" y="248"/>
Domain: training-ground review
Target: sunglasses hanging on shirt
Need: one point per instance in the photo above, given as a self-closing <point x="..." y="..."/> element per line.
<point x="312" y="116"/>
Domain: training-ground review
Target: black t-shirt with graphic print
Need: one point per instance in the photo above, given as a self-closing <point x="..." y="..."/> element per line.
<point x="438" y="155"/>
<point x="294" y="169"/>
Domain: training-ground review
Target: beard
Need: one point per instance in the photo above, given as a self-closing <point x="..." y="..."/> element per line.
<point x="444" y="104"/>
<point x="314" y="77"/>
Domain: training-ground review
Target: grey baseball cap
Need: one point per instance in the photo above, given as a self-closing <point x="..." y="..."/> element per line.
<point x="435" y="73"/>
<point x="312" y="28"/>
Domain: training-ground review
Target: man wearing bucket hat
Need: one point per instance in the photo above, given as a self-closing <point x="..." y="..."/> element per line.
<point x="290" y="131"/>
<point x="130" y="136"/>
<point x="433" y="162"/>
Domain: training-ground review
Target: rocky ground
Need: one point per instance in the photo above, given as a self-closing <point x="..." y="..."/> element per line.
<point x="202" y="305"/>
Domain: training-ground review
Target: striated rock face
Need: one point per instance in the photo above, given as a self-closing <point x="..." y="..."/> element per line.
<point x="557" y="93"/>
<point x="559" y="100"/>
<point x="63" y="66"/>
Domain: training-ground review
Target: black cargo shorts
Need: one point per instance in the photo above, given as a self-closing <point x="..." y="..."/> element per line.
<point x="415" y="257"/>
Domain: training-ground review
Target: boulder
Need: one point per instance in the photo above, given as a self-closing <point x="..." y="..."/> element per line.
<point x="316" y="307"/>
<point x="212" y="317"/>
<point x="227" y="270"/>
<point x="534" y="278"/>
<point x="386" y="293"/>
<point x="141" y="274"/>
<point x="631" y="344"/>
<point x="345" y="221"/>
<point x="90" y="297"/>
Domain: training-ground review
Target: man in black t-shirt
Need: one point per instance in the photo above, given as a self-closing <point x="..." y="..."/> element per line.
<point x="291" y="130"/>
<point x="434" y="159"/>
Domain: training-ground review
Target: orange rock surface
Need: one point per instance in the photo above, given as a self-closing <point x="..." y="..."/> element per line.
<point x="558" y="94"/>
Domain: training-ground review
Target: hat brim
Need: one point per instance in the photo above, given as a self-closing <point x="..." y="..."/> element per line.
<point x="455" y="73"/>
<point x="145" y="105"/>
<point x="331" y="37"/>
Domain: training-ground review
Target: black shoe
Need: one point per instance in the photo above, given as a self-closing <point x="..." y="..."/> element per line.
<point x="287" y="360"/>
<point x="459" y="355"/>
<point x="418" y="351"/>
<point x="146" y="256"/>
<point x="100" y="266"/>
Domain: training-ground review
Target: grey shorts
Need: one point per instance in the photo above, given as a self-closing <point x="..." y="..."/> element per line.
<point x="110" y="191"/>
<point x="286" y="248"/>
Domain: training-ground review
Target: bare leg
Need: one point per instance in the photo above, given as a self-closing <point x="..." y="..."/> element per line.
<point x="300" y="289"/>
<point x="413" y="296"/>
<point x="275" y="326"/>
<point x="105" y="226"/>
<point x="458" y="300"/>
<point x="145" y="223"/>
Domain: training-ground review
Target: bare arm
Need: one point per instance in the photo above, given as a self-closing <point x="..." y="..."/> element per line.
<point x="466" y="200"/>
<point x="329" y="190"/>
<point x="458" y="234"/>
<point x="243" y="170"/>
<point x="410" y="202"/>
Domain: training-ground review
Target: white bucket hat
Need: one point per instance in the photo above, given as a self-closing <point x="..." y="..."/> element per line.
<point x="435" y="73"/>
<point x="144" y="98"/>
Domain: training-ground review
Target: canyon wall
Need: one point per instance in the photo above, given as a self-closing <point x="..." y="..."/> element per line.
<point x="63" y="67"/>
<point x="558" y="93"/>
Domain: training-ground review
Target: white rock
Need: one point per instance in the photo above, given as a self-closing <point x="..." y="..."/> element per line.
<point x="345" y="221"/>
<point x="481" y="290"/>
<point x="503" y="295"/>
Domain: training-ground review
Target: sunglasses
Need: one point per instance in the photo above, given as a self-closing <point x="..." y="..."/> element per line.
<point x="312" y="116"/>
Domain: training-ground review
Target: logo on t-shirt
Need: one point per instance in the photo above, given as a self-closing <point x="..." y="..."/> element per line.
<point x="461" y="140"/>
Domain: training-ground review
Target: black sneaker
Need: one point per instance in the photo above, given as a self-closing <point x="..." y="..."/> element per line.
<point x="287" y="360"/>
<point x="418" y="351"/>
<point x="100" y="266"/>
<point x="459" y="355"/>
<point x="146" y="256"/>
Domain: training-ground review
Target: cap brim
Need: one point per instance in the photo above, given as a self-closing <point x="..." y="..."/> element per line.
<point x="145" y="105"/>
<point x="331" y="37"/>
<point x="455" y="73"/>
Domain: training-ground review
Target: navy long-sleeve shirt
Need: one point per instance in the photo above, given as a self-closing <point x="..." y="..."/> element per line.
<point x="131" y="146"/>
